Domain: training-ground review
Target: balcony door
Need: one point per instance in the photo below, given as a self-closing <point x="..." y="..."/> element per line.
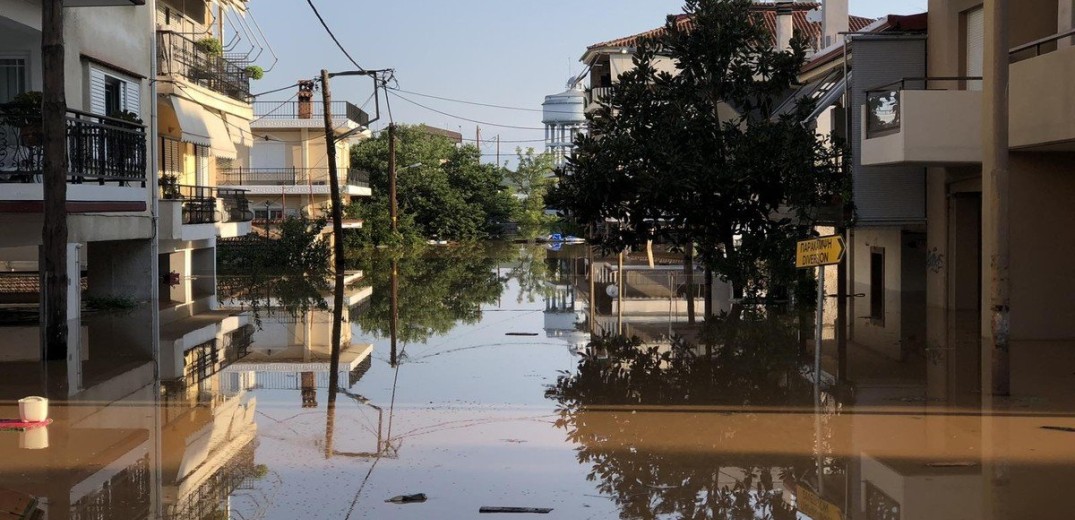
<point x="974" y="46"/>
<point x="12" y="77"/>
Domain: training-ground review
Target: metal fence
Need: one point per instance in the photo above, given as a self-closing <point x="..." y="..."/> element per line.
<point x="181" y="56"/>
<point x="99" y="149"/>
<point x="286" y="177"/>
<point x="208" y="204"/>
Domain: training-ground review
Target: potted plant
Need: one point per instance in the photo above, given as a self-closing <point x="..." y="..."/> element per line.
<point x="24" y="113"/>
<point x="255" y="72"/>
<point x="211" y="46"/>
<point x="127" y="116"/>
<point x="169" y="187"/>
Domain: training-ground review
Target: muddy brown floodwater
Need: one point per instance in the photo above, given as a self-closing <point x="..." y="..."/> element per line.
<point x="494" y="395"/>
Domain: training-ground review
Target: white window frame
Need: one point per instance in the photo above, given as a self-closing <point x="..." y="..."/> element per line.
<point x="25" y="57"/>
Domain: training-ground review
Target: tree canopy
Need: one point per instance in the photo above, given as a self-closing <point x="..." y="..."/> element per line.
<point x="701" y="156"/>
<point x="443" y="190"/>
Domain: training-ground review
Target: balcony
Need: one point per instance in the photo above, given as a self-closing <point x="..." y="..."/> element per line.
<point x="180" y="56"/>
<point x="288" y="113"/>
<point x="1042" y="101"/>
<point x="202" y="212"/>
<point x="293" y="181"/>
<point x="99" y="149"/>
<point x="923" y="121"/>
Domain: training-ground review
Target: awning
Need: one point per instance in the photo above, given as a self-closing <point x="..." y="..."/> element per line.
<point x="191" y="122"/>
<point x="239" y="129"/>
<point x="222" y="145"/>
<point x="201" y="127"/>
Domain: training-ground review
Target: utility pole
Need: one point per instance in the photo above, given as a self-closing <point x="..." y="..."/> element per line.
<point x="498" y="150"/>
<point x="393" y="209"/>
<point x="337" y="216"/>
<point x="54" y="266"/>
<point x="995" y="181"/>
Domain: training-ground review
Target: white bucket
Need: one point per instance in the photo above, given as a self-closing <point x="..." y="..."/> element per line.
<point x="33" y="409"/>
<point x="34" y="438"/>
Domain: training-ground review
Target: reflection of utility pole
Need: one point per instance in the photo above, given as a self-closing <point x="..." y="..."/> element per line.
<point x="394" y="309"/>
<point x="392" y="207"/>
<point x="619" y="295"/>
<point x="54" y="232"/>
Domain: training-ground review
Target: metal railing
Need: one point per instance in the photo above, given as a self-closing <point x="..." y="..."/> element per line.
<point x="600" y="94"/>
<point x="101" y="149"/>
<point x="179" y="55"/>
<point x="341" y="110"/>
<point x="208" y="204"/>
<point x="288" y="177"/>
<point x="883" y="110"/>
<point x="1048" y="44"/>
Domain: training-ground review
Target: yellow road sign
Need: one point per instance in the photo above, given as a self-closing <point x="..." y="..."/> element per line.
<point x="820" y="251"/>
<point x="814" y="506"/>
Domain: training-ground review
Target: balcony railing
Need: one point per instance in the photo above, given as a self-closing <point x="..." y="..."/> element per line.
<point x="341" y="111"/>
<point x="181" y="56"/>
<point x="207" y="204"/>
<point x="1038" y="47"/>
<point x="100" y="149"/>
<point x="600" y="94"/>
<point x="883" y="103"/>
<point x="287" y="177"/>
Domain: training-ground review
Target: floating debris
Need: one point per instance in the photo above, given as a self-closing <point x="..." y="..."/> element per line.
<point x="408" y="499"/>
<point x="528" y="334"/>
<point x="538" y="510"/>
<point x="1059" y="429"/>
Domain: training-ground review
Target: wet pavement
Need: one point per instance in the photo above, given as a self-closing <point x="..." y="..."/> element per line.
<point x="491" y="397"/>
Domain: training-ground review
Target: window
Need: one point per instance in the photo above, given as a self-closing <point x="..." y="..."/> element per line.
<point x="12" y="78"/>
<point x="974" y="46"/>
<point x="113" y="96"/>
<point x="877" y="284"/>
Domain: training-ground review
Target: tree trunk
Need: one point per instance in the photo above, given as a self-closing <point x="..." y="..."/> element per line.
<point x="708" y="293"/>
<point x="54" y="234"/>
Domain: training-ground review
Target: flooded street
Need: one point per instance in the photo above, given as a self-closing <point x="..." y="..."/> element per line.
<point x="492" y="397"/>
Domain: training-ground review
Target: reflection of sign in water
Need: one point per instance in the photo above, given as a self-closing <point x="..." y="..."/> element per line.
<point x="814" y="506"/>
<point x="820" y="251"/>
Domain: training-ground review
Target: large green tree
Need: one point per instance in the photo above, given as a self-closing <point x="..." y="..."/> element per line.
<point x="442" y="189"/>
<point x="701" y="157"/>
<point x="531" y="179"/>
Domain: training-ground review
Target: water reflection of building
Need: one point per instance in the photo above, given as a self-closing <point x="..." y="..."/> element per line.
<point x="292" y="350"/>
<point x="565" y="315"/>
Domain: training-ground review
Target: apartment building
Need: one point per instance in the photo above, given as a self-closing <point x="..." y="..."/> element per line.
<point x="287" y="173"/>
<point x="931" y="121"/>
<point x="111" y="189"/>
<point x="203" y="126"/>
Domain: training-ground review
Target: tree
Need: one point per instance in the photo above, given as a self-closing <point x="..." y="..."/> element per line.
<point x="532" y="179"/>
<point x="444" y="189"/>
<point x="701" y="157"/>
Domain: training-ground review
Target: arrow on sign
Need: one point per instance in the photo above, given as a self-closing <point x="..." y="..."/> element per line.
<point x="820" y="251"/>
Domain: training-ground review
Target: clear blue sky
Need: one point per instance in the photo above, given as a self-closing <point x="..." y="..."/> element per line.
<point x="505" y="52"/>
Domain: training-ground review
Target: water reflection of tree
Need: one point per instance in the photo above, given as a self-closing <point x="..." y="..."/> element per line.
<point x="291" y="273"/>
<point x="661" y="462"/>
<point x="532" y="272"/>
<point x="438" y="288"/>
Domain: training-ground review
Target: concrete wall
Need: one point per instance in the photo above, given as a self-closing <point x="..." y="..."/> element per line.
<point x="121" y="268"/>
<point x="937" y="127"/>
<point x="1031" y="20"/>
<point x="883" y="336"/>
<point x="1042" y="107"/>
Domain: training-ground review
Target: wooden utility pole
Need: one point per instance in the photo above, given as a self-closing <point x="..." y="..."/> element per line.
<point x="54" y="266"/>
<point x="995" y="181"/>
<point x="337" y="218"/>
<point x="497" y="150"/>
<point x="393" y="208"/>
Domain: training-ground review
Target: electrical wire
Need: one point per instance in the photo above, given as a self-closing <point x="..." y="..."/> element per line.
<point x="274" y="90"/>
<point x="490" y="105"/>
<point x="395" y="93"/>
<point x="333" y="36"/>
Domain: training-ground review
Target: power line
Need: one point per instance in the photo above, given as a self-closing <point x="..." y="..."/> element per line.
<point x="394" y="93"/>
<point x="490" y="105"/>
<point x="333" y="36"/>
<point x="274" y="91"/>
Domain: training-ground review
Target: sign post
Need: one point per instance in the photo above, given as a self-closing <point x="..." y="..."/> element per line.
<point x="819" y="252"/>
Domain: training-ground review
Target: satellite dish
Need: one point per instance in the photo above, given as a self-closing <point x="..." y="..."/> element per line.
<point x="612" y="291"/>
<point x="815" y="16"/>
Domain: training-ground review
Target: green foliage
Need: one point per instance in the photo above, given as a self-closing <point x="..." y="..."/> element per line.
<point x="377" y="226"/>
<point x="255" y="72"/>
<point x="111" y="303"/>
<point x="23" y="110"/>
<point x="701" y="157"/>
<point x="211" y="46"/>
<point x="438" y="289"/>
<point x="126" y="115"/>
<point x="289" y="273"/>
<point x="445" y="190"/>
<point x="532" y="179"/>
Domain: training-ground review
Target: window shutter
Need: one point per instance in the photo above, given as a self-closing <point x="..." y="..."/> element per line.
<point x="97" y="91"/>
<point x="975" y="46"/>
<point x="133" y="95"/>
